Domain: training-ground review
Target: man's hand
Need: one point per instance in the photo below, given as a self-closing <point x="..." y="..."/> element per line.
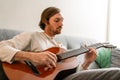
<point x="91" y="55"/>
<point x="89" y="58"/>
<point x="45" y="59"/>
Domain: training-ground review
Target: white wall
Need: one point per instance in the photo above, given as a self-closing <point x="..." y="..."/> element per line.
<point x="114" y="22"/>
<point x="85" y="18"/>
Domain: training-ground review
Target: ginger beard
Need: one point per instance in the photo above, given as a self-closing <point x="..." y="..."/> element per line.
<point x="54" y="25"/>
<point x="56" y="30"/>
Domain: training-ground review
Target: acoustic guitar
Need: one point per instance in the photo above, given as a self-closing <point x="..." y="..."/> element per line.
<point x="66" y="65"/>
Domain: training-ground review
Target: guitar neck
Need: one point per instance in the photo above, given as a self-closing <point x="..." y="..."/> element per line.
<point x="77" y="52"/>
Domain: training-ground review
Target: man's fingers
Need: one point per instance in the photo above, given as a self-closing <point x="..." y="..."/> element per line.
<point x="52" y="56"/>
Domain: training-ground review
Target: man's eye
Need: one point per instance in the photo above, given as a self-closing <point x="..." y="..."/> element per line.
<point x="57" y="20"/>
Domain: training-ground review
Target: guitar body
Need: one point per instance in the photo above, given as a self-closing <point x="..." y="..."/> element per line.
<point x="20" y="71"/>
<point x="67" y="65"/>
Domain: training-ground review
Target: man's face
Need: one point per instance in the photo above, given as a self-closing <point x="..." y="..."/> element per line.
<point x="55" y="24"/>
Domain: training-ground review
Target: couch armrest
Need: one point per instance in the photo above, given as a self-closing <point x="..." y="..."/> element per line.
<point x="77" y="42"/>
<point x="71" y="42"/>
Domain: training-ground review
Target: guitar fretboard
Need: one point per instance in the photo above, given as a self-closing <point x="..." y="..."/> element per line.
<point x="77" y="52"/>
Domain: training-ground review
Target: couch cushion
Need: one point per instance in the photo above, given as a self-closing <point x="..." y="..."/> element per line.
<point x="75" y="42"/>
<point x="115" y="57"/>
<point x="7" y="34"/>
<point x="103" y="57"/>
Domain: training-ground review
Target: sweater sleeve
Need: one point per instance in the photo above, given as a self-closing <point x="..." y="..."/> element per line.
<point x="8" y="48"/>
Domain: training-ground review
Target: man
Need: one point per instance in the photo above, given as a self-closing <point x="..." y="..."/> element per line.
<point x="24" y="46"/>
<point x="31" y="45"/>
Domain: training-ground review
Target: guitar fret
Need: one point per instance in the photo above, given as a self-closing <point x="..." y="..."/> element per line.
<point x="72" y="53"/>
<point x="77" y="52"/>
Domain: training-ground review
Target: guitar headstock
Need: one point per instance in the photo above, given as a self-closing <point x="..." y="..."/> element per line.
<point x="108" y="45"/>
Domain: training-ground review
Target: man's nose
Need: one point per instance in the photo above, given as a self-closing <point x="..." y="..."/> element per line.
<point x="61" y="24"/>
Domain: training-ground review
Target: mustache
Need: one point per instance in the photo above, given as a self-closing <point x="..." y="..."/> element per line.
<point x="60" y="27"/>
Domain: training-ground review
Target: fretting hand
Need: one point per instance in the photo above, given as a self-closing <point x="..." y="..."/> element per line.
<point x="89" y="58"/>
